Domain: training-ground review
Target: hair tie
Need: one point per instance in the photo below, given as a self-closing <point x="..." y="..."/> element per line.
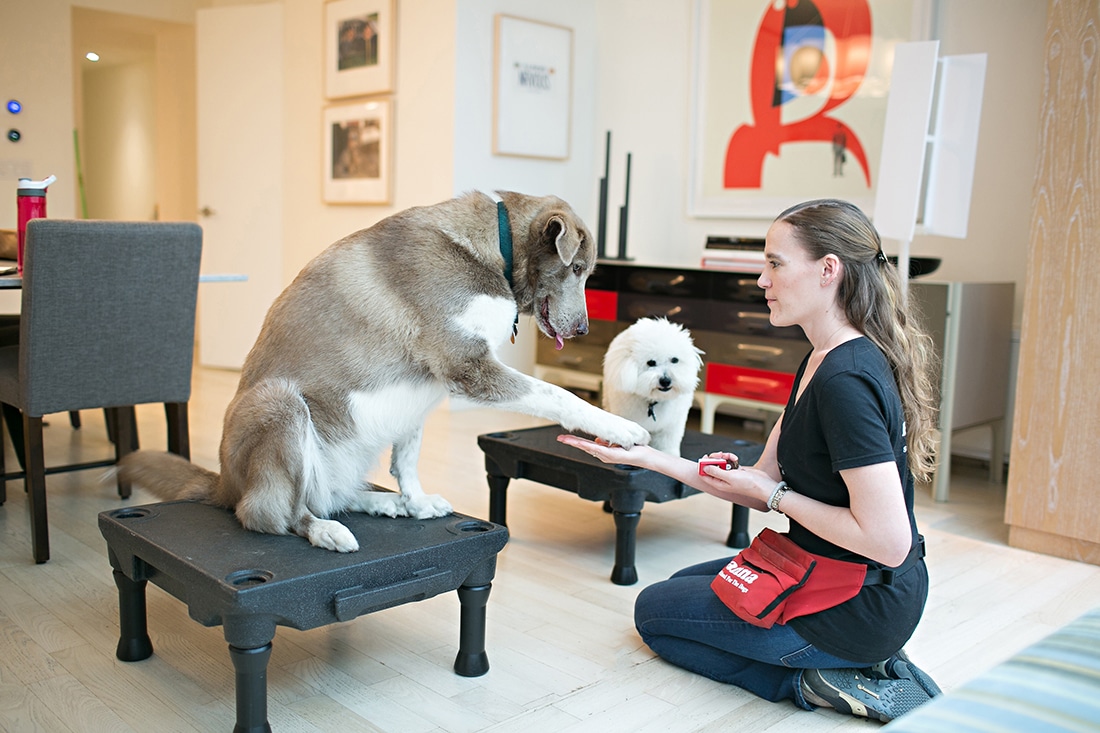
<point x="881" y="256"/>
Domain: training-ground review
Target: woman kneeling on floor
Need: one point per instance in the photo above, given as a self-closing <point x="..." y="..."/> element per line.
<point x="840" y="463"/>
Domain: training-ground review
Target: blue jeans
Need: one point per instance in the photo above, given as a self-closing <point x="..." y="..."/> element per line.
<point x="684" y="622"/>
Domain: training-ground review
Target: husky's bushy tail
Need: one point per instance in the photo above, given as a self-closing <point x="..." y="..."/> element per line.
<point x="169" y="476"/>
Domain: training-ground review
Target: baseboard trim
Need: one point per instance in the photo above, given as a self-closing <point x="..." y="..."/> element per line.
<point x="1047" y="543"/>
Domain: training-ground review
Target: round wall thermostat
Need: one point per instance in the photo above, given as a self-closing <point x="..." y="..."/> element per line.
<point x="14" y="135"/>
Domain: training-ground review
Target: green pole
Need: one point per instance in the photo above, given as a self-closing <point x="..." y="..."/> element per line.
<point x="80" y="176"/>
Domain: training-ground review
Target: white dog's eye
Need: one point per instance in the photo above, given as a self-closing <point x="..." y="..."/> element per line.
<point x="675" y="360"/>
<point x="651" y="363"/>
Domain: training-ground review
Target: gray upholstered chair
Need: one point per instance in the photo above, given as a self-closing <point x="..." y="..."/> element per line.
<point x="108" y="321"/>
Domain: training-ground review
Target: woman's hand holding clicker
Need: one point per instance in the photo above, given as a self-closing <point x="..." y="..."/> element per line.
<point x="749" y="486"/>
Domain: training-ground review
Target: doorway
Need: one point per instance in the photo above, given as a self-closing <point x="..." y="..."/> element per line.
<point x="134" y="134"/>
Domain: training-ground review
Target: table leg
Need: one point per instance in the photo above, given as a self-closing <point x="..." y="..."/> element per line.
<point x="739" y="527"/>
<point x="251" y="667"/>
<point x="133" y="642"/>
<point x="498" y="499"/>
<point x="472" y="661"/>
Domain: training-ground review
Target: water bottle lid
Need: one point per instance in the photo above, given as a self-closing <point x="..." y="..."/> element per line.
<point x="27" y="187"/>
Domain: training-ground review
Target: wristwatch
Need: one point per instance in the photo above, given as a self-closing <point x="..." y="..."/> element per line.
<point x="777" y="496"/>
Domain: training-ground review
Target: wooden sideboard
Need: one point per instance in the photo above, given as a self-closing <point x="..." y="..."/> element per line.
<point x="749" y="365"/>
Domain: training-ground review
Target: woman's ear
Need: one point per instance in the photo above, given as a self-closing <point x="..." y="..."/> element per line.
<point x="831" y="268"/>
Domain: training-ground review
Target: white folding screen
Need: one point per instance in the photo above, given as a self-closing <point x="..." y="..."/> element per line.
<point x="936" y="197"/>
<point x="901" y="168"/>
<point x="954" y="145"/>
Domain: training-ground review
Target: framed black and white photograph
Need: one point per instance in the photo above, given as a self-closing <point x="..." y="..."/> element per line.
<point x="357" y="152"/>
<point x="533" y="88"/>
<point x="359" y="47"/>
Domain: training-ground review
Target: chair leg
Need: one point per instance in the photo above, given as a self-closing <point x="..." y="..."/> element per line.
<point x="122" y="417"/>
<point x="74" y="419"/>
<point x="36" y="488"/>
<point x="130" y="413"/>
<point x="179" y="436"/>
<point x="14" y="420"/>
<point x="113" y="416"/>
<point x="3" y="468"/>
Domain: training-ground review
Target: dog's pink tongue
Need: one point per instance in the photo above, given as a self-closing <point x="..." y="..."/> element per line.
<point x="559" y="342"/>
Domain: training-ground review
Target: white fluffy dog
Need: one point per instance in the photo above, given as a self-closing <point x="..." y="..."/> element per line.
<point x="650" y="373"/>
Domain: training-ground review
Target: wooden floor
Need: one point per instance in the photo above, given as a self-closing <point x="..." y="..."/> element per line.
<point x="562" y="648"/>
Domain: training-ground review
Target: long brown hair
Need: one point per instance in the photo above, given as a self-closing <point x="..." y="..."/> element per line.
<point x="871" y="295"/>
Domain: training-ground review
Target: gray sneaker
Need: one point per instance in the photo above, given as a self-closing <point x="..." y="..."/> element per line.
<point x="854" y="692"/>
<point x="900" y="667"/>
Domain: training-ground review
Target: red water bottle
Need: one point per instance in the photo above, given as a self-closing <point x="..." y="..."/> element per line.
<point x="31" y="200"/>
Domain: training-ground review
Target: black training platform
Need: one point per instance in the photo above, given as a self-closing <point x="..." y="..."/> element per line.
<point x="536" y="455"/>
<point x="249" y="583"/>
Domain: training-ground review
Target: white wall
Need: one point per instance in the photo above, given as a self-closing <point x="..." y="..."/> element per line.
<point x="475" y="166"/>
<point x="650" y="42"/>
<point x="32" y="71"/>
<point x="43" y="83"/>
<point x="35" y="68"/>
<point x="424" y="112"/>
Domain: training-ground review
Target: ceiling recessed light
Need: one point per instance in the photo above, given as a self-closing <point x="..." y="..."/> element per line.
<point x="92" y="56"/>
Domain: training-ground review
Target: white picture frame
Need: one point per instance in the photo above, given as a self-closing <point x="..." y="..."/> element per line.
<point x="359" y="47"/>
<point x="532" y="88"/>
<point x="358" y="150"/>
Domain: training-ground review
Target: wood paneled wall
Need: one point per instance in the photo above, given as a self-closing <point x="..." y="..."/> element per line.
<point x="1053" y="502"/>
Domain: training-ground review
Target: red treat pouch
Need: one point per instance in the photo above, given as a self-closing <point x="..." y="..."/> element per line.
<point x="774" y="580"/>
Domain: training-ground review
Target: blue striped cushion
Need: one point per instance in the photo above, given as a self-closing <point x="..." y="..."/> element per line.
<point x="1053" y="685"/>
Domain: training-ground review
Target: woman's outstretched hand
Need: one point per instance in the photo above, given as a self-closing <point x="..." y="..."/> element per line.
<point x="741" y="485"/>
<point x="608" y="453"/>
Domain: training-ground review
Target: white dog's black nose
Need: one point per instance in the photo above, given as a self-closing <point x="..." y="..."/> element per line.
<point x="664" y="383"/>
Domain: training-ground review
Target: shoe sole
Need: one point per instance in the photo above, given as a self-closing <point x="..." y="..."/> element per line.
<point x="855" y="694"/>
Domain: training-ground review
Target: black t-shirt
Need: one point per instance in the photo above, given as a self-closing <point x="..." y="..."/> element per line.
<point x="850" y="415"/>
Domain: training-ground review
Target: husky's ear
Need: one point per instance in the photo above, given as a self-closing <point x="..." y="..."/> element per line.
<point x="566" y="239"/>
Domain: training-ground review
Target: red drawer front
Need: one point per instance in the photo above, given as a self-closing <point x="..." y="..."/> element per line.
<point x="603" y="305"/>
<point x="752" y="384"/>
